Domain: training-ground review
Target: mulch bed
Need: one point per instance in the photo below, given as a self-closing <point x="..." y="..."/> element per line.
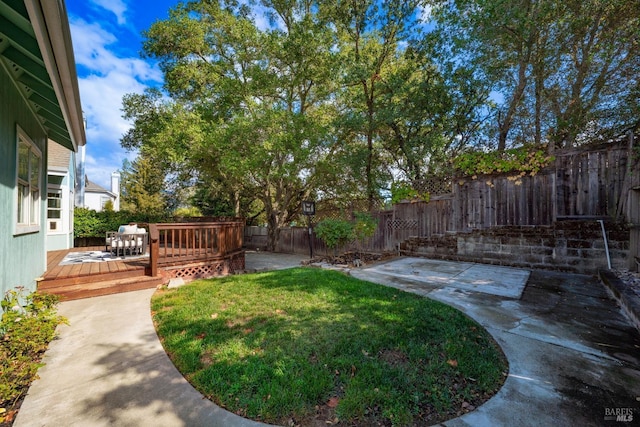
<point x="351" y="259"/>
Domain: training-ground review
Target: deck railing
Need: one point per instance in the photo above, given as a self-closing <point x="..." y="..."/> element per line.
<point x="183" y="243"/>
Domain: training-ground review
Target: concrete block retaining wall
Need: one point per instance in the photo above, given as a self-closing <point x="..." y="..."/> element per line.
<point x="573" y="246"/>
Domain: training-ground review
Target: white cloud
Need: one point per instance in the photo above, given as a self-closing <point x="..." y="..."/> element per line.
<point x="261" y="21"/>
<point x="425" y="12"/>
<point x="91" y="48"/>
<point x="260" y="18"/>
<point x="117" y="7"/>
<point x="104" y="79"/>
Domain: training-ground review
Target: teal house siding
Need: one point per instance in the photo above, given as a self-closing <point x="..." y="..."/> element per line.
<point x="39" y="102"/>
<point x="23" y="256"/>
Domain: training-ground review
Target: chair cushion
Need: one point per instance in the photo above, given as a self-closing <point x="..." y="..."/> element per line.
<point x="129" y="229"/>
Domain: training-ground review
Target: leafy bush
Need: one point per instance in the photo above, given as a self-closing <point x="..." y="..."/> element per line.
<point x="86" y="223"/>
<point x="89" y="223"/>
<point x="192" y="211"/>
<point x="334" y="232"/>
<point x="27" y="326"/>
<point x="337" y="232"/>
<point x="520" y="160"/>
<point x="108" y="206"/>
<point x="364" y="227"/>
<point x="404" y="191"/>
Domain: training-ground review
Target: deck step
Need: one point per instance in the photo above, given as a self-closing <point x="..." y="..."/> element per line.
<point x="52" y="283"/>
<point x="74" y="291"/>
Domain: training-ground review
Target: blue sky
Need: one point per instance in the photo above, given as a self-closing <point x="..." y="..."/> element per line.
<point x="107" y="41"/>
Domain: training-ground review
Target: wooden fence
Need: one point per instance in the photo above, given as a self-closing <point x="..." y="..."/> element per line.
<point x="594" y="182"/>
<point x="582" y="183"/>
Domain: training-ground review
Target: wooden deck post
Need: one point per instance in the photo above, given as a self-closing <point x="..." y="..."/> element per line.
<point x="154" y="249"/>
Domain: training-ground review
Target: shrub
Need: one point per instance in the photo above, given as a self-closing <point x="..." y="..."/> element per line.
<point x="192" y="211"/>
<point x="334" y="232"/>
<point x="365" y="227"/>
<point x="404" y="191"/>
<point x="521" y="160"/>
<point x="337" y="232"/>
<point x="85" y="222"/>
<point x="27" y="326"/>
<point x="108" y="206"/>
<point x="89" y="223"/>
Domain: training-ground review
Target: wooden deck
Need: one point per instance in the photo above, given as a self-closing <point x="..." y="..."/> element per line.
<point x="55" y="270"/>
<point x="94" y="278"/>
<point x="183" y="251"/>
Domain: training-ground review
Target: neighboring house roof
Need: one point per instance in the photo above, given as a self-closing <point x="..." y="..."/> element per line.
<point x="92" y="187"/>
<point x="36" y="51"/>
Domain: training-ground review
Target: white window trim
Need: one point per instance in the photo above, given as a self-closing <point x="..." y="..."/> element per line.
<point x="34" y="227"/>
<point x="61" y="221"/>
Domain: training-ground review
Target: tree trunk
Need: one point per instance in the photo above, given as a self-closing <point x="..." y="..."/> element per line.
<point x="505" y="126"/>
<point x="273" y="233"/>
<point x="277" y="218"/>
<point x="539" y="82"/>
<point x="236" y="200"/>
<point x="369" y="93"/>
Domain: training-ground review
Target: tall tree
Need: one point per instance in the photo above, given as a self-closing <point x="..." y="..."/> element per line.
<point x="556" y="68"/>
<point x="598" y="66"/>
<point x="142" y="187"/>
<point x="497" y="39"/>
<point x="260" y="98"/>
<point x="426" y="117"/>
<point x="369" y="35"/>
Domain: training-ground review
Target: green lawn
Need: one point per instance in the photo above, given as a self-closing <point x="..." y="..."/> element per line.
<point x="306" y="344"/>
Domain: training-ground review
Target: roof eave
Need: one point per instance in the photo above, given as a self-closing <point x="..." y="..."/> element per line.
<point x="51" y="27"/>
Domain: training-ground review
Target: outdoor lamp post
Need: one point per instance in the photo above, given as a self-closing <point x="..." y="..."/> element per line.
<point x="309" y="209"/>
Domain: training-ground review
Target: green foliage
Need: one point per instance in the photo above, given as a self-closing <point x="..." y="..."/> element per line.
<point x="346" y="96"/>
<point x="365" y="226"/>
<point x="254" y="123"/>
<point x="404" y="191"/>
<point x="516" y="160"/>
<point x="334" y="232"/>
<point x="274" y="346"/>
<point x="142" y="185"/>
<point x="423" y="111"/>
<point x="213" y="198"/>
<point x="368" y="63"/>
<point x="108" y="206"/>
<point x="526" y="52"/>
<point x="90" y="223"/>
<point x="86" y="223"/>
<point x="191" y="211"/>
<point x="27" y="326"/>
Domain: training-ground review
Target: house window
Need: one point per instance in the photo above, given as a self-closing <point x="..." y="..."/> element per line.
<point x="54" y="210"/>
<point x="28" y="185"/>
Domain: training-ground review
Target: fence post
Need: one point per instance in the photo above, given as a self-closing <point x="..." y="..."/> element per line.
<point x="154" y="249"/>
